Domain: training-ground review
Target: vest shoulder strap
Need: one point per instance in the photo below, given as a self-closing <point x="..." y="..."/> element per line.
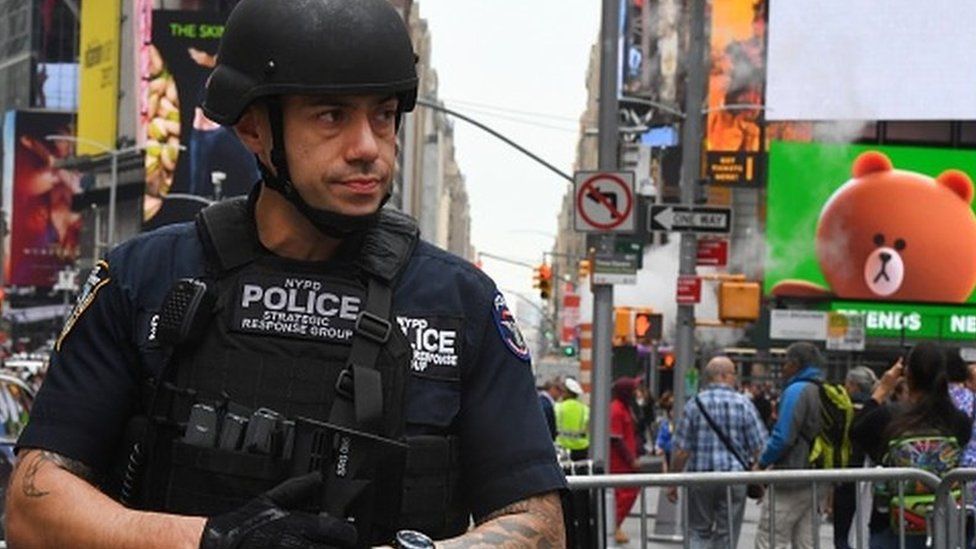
<point x="388" y="246"/>
<point x="219" y="228"/>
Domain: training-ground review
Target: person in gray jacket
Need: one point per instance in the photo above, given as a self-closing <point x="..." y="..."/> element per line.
<point x="789" y="448"/>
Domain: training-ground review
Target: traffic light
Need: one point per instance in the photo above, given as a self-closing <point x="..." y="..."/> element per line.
<point x="584" y="268"/>
<point x="545" y="281"/>
<point x="647" y="327"/>
<point x="739" y="301"/>
<point x="569" y="350"/>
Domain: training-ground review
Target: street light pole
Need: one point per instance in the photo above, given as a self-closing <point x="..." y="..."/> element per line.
<point x="603" y="293"/>
<point x="691" y="139"/>
<point x="114" y="184"/>
<point x="112" y="152"/>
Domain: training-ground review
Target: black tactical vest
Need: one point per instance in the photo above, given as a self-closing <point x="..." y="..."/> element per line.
<point x="283" y="370"/>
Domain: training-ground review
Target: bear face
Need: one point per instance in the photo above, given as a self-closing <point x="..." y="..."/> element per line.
<point x="898" y="235"/>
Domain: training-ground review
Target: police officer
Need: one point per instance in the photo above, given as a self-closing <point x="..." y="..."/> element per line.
<point x="573" y="422"/>
<point x="296" y="369"/>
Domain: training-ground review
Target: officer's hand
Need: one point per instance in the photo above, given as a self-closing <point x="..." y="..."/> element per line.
<point x="267" y="522"/>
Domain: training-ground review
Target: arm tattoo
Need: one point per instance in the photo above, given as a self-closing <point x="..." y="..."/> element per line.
<point x="535" y="522"/>
<point x="37" y="458"/>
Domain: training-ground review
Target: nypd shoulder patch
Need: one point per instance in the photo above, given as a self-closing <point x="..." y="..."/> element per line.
<point x="508" y="328"/>
<point x="97" y="278"/>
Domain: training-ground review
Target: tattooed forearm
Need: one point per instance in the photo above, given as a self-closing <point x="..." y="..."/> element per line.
<point x="31" y="465"/>
<point x="35" y="459"/>
<point x="536" y="522"/>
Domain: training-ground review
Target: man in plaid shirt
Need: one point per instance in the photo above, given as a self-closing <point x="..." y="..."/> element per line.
<point x="697" y="447"/>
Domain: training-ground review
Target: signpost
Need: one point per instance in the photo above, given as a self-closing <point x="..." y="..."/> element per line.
<point x="694" y="219"/>
<point x="615" y="269"/>
<point x="845" y="332"/>
<point x="605" y="202"/>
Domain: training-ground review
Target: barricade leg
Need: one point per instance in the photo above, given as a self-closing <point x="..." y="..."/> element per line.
<point x="815" y="518"/>
<point x="643" y="517"/>
<point x="683" y="517"/>
<point x="859" y="540"/>
<point x="729" y="513"/>
<point x="901" y="516"/>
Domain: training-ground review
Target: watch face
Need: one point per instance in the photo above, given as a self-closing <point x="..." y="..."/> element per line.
<point x="411" y="539"/>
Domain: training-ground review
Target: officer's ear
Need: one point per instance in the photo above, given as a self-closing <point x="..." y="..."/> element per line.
<point x="254" y="130"/>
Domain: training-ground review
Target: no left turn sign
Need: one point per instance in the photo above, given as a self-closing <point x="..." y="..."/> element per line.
<point x="604" y="202"/>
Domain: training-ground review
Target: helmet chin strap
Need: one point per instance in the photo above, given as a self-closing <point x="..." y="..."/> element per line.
<point x="329" y="223"/>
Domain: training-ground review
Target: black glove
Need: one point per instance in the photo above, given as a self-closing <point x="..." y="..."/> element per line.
<point x="267" y="523"/>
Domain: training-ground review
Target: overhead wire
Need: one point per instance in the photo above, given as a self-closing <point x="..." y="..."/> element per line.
<point x="512" y="111"/>
<point x="515" y="119"/>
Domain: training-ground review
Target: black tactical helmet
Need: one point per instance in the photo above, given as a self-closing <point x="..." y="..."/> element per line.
<point x="274" y="47"/>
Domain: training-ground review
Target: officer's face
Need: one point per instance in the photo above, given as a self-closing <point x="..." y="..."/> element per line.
<point x="341" y="149"/>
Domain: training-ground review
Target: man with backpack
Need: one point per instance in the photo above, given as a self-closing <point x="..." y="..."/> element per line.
<point x="797" y="427"/>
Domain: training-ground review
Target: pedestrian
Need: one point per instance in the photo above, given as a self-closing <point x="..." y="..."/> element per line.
<point x="859" y="384"/>
<point x="623" y="448"/>
<point x="759" y="399"/>
<point x="720" y="430"/>
<point x="957" y="373"/>
<point x="549" y="395"/>
<point x="644" y="413"/>
<point x="797" y="424"/>
<point x="923" y="430"/>
<point x="307" y="326"/>
<point x="665" y="429"/>
<point x="573" y="421"/>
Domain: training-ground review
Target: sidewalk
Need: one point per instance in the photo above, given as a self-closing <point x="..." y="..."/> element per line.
<point x="746" y="539"/>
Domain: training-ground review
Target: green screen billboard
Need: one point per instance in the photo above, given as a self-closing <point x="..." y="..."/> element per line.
<point x="871" y="223"/>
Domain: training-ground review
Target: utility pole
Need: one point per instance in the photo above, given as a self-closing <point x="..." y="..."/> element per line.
<point x="603" y="293"/>
<point x="691" y="139"/>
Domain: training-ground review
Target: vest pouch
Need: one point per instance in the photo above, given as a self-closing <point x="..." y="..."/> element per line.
<point x="210" y="481"/>
<point x="431" y="487"/>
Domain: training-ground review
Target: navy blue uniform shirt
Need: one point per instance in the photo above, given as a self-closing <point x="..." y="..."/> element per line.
<point x="470" y="366"/>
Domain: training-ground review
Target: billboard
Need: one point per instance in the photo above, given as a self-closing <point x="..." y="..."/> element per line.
<point x="99" y="75"/>
<point x="187" y="153"/>
<point x="871" y="223"/>
<point x="854" y="60"/>
<point x="735" y="82"/>
<point x="43" y="232"/>
<point x="651" y="42"/>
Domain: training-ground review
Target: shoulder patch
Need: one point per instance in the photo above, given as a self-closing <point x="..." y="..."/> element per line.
<point x="508" y="329"/>
<point x="437" y="343"/>
<point x="97" y="278"/>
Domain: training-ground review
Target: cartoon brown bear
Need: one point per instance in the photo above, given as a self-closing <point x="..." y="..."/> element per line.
<point x="895" y="235"/>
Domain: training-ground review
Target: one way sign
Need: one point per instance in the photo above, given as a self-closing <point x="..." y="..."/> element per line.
<point x="684" y="218"/>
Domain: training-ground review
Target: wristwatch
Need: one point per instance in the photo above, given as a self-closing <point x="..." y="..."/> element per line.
<point x="412" y="539"/>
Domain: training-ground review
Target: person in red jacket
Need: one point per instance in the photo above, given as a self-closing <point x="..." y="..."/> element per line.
<point x="623" y="447"/>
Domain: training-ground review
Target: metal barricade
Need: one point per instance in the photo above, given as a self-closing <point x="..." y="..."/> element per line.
<point x="584" y="524"/>
<point x="819" y="479"/>
<point x="951" y="513"/>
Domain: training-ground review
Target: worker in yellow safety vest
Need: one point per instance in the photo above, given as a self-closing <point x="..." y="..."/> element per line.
<point x="573" y="422"/>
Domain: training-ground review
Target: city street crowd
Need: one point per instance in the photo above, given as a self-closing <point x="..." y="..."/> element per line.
<point x="918" y="413"/>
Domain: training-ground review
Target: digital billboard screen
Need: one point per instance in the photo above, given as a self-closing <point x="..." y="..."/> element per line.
<point x="212" y="161"/>
<point x="870" y="60"/>
<point x="871" y="223"/>
<point x="43" y="231"/>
